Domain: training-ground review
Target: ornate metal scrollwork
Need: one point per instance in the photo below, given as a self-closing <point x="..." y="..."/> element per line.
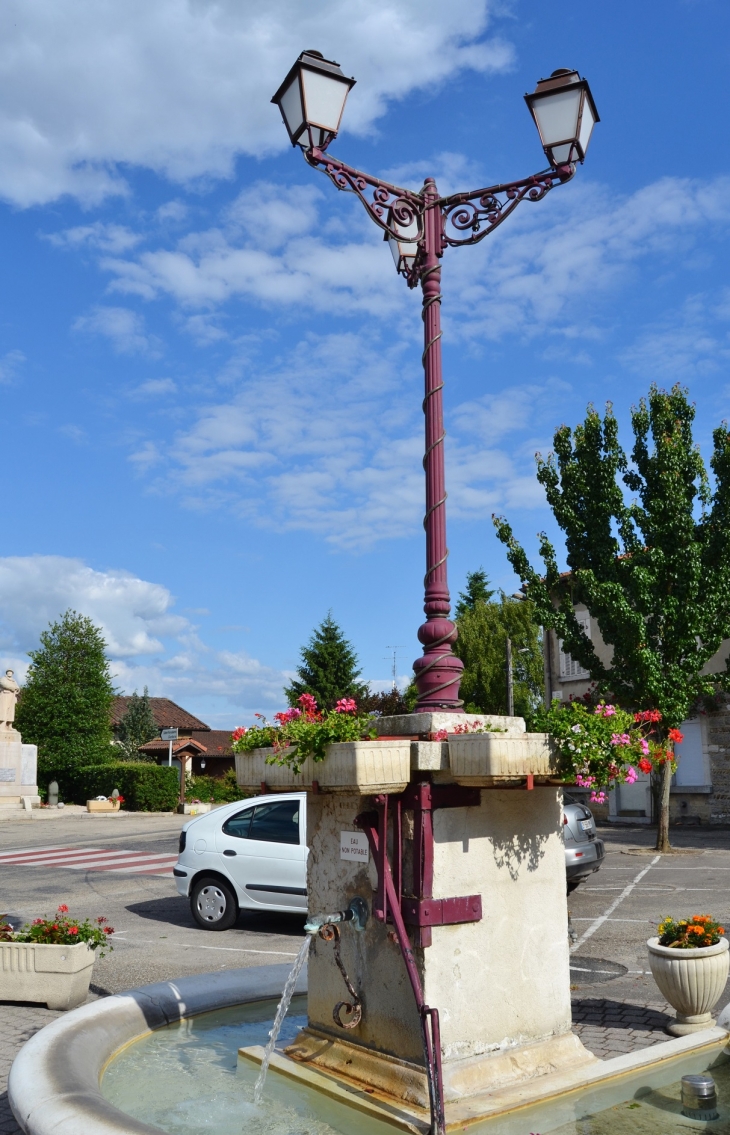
<point x="382" y="200"/>
<point x="479" y="213"/>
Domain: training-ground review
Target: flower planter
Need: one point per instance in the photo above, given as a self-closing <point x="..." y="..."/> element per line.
<point x="102" y="805"/>
<point x="479" y="758"/>
<point x="56" y="975"/>
<point x="691" y="980"/>
<point x="364" y="767"/>
<point x="252" y="771"/>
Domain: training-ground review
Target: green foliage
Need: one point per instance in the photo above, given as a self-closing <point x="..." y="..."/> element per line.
<point x="305" y="732"/>
<point x="388" y="703"/>
<point x="145" y="787"/>
<point x="137" y="727"/>
<point x="654" y="573"/>
<point x="595" y="744"/>
<point x="477" y="591"/>
<point x="63" y="930"/>
<point x="214" y="789"/>
<point x="484" y="627"/>
<point x="65" y="704"/>
<point x="328" y="670"/>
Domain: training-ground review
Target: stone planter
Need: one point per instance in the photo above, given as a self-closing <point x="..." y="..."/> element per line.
<point x="479" y="758"/>
<point x="56" y="975"/>
<point x="102" y="805"/>
<point x="691" y="980"/>
<point x="252" y="771"/>
<point x="363" y="767"/>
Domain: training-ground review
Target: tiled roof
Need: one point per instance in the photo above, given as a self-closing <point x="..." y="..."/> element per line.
<point x="216" y="741"/>
<point x="166" y="713"/>
<point x="157" y="747"/>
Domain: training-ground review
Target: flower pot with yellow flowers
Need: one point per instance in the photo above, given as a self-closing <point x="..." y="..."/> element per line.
<point x="689" y="961"/>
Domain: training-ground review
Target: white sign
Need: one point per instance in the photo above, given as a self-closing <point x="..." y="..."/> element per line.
<point x="168" y="735"/>
<point x="354" y="845"/>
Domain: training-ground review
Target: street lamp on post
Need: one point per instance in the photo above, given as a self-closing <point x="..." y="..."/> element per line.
<point x="419" y="227"/>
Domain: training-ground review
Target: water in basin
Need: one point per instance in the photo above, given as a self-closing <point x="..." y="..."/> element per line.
<point x="187" y="1079"/>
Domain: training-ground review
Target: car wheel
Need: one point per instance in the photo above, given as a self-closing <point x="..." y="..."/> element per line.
<point x="213" y="904"/>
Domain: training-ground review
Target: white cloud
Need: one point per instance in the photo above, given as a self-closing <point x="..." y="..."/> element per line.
<point x="331" y="442"/>
<point x="693" y="342"/>
<point x="106" y="237"/>
<point x="124" y="328"/>
<point x="148" y="644"/>
<point x="154" y="388"/>
<point x="182" y="88"/>
<point x="10" y="364"/>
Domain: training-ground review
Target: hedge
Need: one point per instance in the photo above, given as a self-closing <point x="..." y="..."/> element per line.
<point x="145" y="787"/>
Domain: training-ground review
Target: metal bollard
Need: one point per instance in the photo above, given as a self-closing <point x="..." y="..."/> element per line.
<point x="699" y="1097"/>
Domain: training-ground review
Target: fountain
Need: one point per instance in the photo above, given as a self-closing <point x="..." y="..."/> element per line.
<point x="437" y="995"/>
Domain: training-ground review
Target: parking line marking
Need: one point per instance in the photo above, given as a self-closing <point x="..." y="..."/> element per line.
<point x="619" y="899"/>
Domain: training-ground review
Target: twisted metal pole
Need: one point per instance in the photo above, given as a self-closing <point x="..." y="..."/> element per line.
<point x="438" y="671"/>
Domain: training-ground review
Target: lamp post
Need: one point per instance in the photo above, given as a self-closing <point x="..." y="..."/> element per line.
<point x="419" y="227"/>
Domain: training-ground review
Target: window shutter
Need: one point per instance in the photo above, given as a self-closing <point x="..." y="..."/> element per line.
<point x="570" y="669"/>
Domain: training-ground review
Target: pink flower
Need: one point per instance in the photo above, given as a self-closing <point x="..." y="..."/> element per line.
<point x="620" y="739"/>
<point x="631" y="775"/>
<point x="585" y="781"/>
<point x="442" y="735"/>
<point x="346" y="705"/>
<point x="645" y="746"/>
<point x="62" y="909"/>
<point x="308" y="704"/>
<point x="287" y="716"/>
<point x="598" y="797"/>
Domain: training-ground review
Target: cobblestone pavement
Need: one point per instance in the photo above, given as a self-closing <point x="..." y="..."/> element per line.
<point x="610" y="1028"/>
<point x="18" y="1023"/>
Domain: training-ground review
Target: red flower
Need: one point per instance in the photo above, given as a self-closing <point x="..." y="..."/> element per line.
<point x="645" y="764"/>
<point x="73" y="930"/>
<point x="54" y="927"/>
<point x="37" y="922"/>
<point x="238" y="733"/>
<point x="63" y="909"/>
<point x="676" y="736"/>
<point x="101" y="919"/>
<point x="108" y="929"/>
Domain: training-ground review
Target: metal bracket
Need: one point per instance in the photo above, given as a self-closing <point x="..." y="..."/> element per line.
<point x="441" y="912"/>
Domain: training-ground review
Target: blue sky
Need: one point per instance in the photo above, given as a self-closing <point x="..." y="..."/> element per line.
<point x="209" y="371"/>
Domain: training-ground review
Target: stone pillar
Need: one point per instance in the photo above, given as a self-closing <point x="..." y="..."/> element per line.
<point x="501" y="985"/>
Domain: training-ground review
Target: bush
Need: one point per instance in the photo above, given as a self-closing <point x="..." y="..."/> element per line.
<point x="145" y="787"/>
<point x="215" y="789"/>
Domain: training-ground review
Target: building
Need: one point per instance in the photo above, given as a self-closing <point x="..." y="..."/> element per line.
<point x="701" y="785"/>
<point x="206" y="751"/>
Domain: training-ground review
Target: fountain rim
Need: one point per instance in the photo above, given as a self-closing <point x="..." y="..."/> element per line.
<point x="54" y="1087"/>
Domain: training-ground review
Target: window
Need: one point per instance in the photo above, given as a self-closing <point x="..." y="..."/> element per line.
<point x="239" y="824"/>
<point x="690" y="757"/>
<point x="276" y="823"/>
<point x="570" y="669"/>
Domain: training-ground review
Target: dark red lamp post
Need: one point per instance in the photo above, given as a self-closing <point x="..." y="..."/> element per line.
<point x="418" y="228"/>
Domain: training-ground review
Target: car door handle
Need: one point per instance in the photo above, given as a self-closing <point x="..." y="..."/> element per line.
<point x="229" y="852"/>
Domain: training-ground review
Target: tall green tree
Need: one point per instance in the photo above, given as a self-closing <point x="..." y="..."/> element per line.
<point x="64" y="706"/>
<point x="137" y="726"/>
<point x="484" y="627"/>
<point x="328" y="669"/>
<point x="654" y="571"/>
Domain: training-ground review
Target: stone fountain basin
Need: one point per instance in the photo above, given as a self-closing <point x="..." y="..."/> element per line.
<point x="54" y="1085"/>
<point x="478" y="759"/>
<point x="362" y="767"/>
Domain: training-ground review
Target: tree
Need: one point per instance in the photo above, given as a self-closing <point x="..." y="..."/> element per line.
<point x="654" y="573"/>
<point x="484" y="627"/>
<point x="64" y="706"/>
<point x="477" y="590"/>
<point x="137" y="726"/>
<point x="328" y="669"/>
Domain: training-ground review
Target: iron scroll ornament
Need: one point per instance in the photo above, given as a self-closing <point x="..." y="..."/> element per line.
<point x="382" y="200"/>
<point x="480" y="212"/>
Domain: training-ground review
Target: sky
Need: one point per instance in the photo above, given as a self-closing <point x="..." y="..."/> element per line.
<point x="209" y="370"/>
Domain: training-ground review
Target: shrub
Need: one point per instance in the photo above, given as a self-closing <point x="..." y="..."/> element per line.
<point x="145" y="787"/>
<point x="215" y="789"/>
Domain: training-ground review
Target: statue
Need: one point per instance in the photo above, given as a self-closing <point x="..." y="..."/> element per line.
<point x="9" y="690"/>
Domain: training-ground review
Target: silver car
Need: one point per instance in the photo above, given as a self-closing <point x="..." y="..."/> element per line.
<point x="584" y="851"/>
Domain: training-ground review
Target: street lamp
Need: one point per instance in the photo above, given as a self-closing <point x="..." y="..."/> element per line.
<point x="418" y="228"/>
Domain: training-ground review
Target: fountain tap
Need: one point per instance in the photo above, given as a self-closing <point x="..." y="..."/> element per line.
<point x="357" y="912"/>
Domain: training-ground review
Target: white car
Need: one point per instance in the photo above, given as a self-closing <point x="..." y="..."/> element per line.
<point x="251" y="855"/>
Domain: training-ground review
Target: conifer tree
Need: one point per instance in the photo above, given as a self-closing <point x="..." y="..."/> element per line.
<point x="64" y="706"/>
<point x="137" y="726"/>
<point x="328" y="669"/>
<point x="477" y="589"/>
<point x="654" y="572"/>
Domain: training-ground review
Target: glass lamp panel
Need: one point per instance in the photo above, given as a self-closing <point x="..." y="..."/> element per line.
<point x="586" y="126"/>
<point x="324" y="99"/>
<point x="557" y="115"/>
<point x="394" y="247"/>
<point x="291" y="107"/>
<point x="562" y="155"/>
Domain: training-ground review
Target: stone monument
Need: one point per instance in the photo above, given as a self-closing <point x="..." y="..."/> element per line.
<point x="18" y="762"/>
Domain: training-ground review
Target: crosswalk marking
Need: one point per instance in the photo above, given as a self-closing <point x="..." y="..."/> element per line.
<point x="91" y="859"/>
